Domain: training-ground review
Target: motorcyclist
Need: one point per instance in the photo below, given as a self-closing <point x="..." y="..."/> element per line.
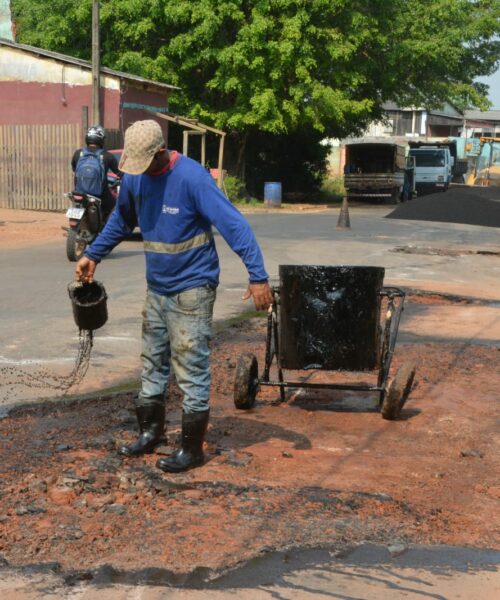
<point x="94" y="140"/>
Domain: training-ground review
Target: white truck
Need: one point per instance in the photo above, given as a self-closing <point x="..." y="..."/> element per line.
<point x="433" y="167"/>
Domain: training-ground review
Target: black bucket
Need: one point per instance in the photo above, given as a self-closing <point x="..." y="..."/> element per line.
<point x="89" y="304"/>
<point x="330" y="317"/>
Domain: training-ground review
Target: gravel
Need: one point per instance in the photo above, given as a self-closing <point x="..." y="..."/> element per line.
<point x="461" y="204"/>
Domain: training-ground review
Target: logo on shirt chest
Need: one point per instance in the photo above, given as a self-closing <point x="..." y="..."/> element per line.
<point x="170" y="210"/>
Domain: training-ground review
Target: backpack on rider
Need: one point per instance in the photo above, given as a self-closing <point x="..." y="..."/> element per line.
<point x="90" y="174"/>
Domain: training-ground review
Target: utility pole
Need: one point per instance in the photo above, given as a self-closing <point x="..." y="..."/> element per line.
<point x="96" y="64"/>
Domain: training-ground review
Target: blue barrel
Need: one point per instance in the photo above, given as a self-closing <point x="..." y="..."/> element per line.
<point x="272" y="194"/>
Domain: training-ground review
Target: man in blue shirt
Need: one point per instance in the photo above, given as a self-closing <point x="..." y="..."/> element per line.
<point x="175" y="202"/>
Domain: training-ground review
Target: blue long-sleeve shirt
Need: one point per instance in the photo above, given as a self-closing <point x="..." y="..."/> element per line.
<point x="175" y="212"/>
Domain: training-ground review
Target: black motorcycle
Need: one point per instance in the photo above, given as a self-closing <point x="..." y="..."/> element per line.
<point x="85" y="221"/>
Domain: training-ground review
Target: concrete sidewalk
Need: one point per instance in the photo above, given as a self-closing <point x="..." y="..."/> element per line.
<point x="369" y="573"/>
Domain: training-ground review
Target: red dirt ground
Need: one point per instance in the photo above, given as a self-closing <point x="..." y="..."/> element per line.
<point x="21" y="228"/>
<point x="322" y="469"/>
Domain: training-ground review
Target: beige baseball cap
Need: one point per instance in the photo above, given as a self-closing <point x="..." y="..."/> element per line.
<point x="142" y="140"/>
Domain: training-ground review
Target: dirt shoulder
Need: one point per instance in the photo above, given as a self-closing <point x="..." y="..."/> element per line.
<point x="24" y="228"/>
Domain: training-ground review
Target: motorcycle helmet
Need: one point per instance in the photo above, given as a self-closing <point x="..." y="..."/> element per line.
<point x="95" y="135"/>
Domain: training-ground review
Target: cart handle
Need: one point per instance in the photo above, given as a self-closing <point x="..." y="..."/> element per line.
<point x="392" y="292"/>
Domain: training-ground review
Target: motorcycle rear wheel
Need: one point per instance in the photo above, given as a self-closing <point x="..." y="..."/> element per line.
<point x="75" y="246"/>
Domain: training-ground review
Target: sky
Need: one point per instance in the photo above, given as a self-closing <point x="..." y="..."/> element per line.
<point x="494" y="94"/>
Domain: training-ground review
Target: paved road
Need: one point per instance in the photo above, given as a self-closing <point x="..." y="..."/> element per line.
<point x="37" y="328"/>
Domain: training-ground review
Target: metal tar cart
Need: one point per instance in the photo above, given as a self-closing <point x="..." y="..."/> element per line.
<point x="330" y="318"/>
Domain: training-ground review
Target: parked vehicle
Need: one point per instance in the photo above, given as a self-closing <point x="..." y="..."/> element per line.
<point x="460" y="162"/>
<point x="85" y="221"/>
<point x="433" y="167"/>
<point x="378" y="169"/>
<point x="485" y="163"/>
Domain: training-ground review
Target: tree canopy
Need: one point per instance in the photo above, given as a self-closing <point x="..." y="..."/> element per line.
<point x="284" y="66"/>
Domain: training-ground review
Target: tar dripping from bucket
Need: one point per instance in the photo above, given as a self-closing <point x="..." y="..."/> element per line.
<point x="90" y="312"/>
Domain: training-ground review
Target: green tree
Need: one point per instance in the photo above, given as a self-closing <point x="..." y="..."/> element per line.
<point x="312" y="68"/>
<point x="439" y="48"/>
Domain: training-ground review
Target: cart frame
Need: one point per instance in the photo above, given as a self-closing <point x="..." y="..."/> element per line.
<point x="392" y="395"/>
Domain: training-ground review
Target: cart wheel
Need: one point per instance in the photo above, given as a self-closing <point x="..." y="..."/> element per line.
<point x="398" y="391"/>
<point x="246" y="381"/>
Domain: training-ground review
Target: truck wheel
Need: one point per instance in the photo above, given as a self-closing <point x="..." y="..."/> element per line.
<point x="246" y="381"/>
<point x="75" y="246"/>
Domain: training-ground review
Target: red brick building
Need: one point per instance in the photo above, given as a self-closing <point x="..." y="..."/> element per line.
<point x="39" y="87"/>
<point x="45" y="108"/>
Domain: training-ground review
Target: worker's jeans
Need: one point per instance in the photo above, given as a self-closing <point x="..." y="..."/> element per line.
<point x="177" y="330"/>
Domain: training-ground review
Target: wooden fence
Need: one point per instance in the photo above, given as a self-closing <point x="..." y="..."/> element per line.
<point x="35" y="165"/>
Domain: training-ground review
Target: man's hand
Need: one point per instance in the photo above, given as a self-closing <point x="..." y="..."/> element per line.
<point x="262" y="295"/>
<point x="85" y="269"/>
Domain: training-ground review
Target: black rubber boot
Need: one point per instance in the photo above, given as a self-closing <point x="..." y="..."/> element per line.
<point x="194" y="427"/>
<point x="151" y="419"/>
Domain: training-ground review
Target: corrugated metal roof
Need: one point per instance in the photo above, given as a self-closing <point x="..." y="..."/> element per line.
<point x="482" y="115"/>
<point x="389" y="141"/>
<point x="447" y="110"/>
<point x="84" y="64"/>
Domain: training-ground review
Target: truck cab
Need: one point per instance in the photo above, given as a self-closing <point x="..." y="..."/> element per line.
<point x="433" y="168"/>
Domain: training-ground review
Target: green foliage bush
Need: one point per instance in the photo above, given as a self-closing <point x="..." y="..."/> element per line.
<point x="332" y="189"/>
<point x="296" y="159"/>
<point x="236" y="191"/>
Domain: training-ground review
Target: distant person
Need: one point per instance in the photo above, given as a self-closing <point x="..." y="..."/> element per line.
<point x="91" y="165"/>
<point x="351" y="168"/>
<point x="175" y="202"/>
